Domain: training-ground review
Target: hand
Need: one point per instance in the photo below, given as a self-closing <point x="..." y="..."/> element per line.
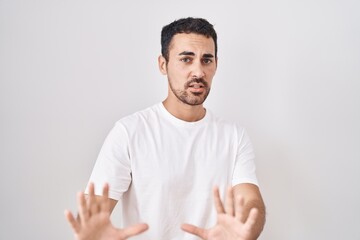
<point x="94" y="222"/>
<point x="231" y="224"/>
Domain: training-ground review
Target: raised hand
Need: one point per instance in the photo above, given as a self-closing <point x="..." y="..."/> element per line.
<point x="94" y="222"/>
<point x="231" y="224"/>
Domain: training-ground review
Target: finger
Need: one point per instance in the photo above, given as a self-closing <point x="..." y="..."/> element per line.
<point x="91" y="188"/>
<point x="229" y="201"/>
<point x="133" y="230"/>
<point x="92" y="202"/>
<point x="239" y="208"/>
<point x="217" y="201"/>
<point x="251" y="220"/>
<point x="83" y="210"/>
<point x="200" y="232"/>
<point x="105" y="203"/>
<point x="73" y="223"/>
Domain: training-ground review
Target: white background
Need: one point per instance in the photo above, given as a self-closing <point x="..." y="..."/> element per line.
<point x="289" y="71"/>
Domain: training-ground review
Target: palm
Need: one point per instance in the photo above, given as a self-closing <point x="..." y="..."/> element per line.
<point x="99" y="227"/>
<point x="230" y="221"/>
<point x="228" y="227"/>
<point x="94" y="220"/>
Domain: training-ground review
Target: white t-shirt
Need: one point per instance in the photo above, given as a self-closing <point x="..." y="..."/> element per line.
<point x="163" y="169"/>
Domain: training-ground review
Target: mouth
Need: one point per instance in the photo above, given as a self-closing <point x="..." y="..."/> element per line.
<point x="196" y="85"/>
<point x="196" y="88"/>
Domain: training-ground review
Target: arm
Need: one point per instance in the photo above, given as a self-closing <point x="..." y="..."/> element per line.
<point x="92" y="197"/>
<point x="238" y="219"/>
<point x="112" y="202"/>
<point x="252" y="200"/>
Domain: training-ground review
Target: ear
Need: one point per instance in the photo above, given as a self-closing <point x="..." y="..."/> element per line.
<point x="162" y="65"/>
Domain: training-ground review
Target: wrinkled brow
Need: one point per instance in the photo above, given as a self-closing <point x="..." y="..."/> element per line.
<point x="208" y="55"/>
<point x="187" y="53"/>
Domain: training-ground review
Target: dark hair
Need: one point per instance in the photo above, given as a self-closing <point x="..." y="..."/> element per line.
<point x="186" y="25"/>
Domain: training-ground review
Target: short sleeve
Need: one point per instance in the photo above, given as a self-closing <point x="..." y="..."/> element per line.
<point x="113" y="164"/>
<point x="244" y="170"/>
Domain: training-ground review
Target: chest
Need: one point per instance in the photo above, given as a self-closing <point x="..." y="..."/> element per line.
<point x="172" y="158"/>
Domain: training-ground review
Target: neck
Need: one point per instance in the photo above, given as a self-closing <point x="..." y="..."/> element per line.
<point x="184" y="111"/>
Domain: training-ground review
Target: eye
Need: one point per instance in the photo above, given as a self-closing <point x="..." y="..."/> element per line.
<point x="207" y="61"/>
<point x="185" y="60"/>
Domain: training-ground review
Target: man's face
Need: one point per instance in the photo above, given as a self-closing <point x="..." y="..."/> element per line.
<point x="190" y="68"/>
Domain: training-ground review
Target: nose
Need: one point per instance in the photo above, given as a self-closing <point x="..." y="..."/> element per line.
<point x="197" y="70"/>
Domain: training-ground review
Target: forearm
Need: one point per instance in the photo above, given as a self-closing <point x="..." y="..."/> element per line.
<point x="252" y="200"/>
<point x="261" y="218"/>
<point x="112" y="202"/>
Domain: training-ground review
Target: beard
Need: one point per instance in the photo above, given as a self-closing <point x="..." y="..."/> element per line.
<point x="191" y="98"/>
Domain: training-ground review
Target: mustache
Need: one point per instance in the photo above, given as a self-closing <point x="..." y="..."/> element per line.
<point x="196" y="80"/>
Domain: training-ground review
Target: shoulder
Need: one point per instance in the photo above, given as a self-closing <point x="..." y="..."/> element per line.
<point x="229" y="128"/>
<point x="137" y="119"/>
<point x="225" y="124"/>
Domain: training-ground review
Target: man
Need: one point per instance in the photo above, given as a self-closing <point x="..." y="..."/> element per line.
<point x="162" y="162"/>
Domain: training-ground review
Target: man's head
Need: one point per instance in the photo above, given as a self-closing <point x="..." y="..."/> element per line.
<point x="186" y="25"/>
<point x="189" y="59"/>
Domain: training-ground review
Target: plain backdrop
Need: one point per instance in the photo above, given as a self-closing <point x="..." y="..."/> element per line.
<point x="289" y="71"/>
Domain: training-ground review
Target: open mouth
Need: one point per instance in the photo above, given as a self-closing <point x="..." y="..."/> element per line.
<point x="196" y="85"/>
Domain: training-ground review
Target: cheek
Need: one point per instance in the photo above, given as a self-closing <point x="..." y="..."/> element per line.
<point x="181" y="69"/>
<point x="178" y="71"/>
<point x="211" y="72"/>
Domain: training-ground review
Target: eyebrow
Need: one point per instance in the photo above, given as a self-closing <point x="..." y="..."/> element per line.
<point x="187" y="53"/>
<point x="208" y="55"/>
